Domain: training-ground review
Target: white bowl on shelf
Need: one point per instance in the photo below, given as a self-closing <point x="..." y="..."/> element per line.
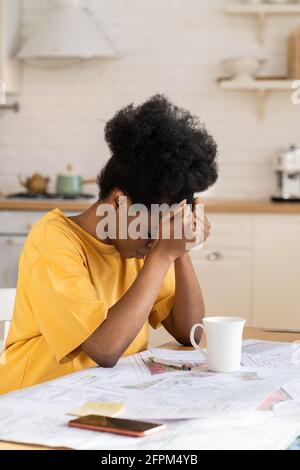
<point x="254" y="2"/>
<point x="243" y="69"/>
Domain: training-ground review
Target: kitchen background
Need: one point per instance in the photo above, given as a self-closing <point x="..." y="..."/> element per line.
<point x="250" y="266"/>
<point x="169" y="46"/>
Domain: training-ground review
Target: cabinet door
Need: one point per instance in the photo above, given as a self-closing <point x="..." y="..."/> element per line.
<point x="230" y="231"/>
<point x="225" y="279"/>
<point x="10" y="249"/>
<point x="277" y="272"/>
<point x="159" y="337"/>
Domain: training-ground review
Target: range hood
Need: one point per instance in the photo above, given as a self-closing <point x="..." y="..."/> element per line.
<point x="68" y="31"/>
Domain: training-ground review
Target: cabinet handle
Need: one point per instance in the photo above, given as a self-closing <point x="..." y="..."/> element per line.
<point x="14" y="242"/>
<point x="214" y="256"/>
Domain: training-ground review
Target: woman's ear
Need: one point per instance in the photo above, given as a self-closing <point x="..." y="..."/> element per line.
<point x="117" y="198"/>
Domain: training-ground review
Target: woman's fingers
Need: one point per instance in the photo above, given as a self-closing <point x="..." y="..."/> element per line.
<point x="171" y="214"/>
<point x="196" y="201"/>
<point x="167" y="219"/>
<point x="188" y="224"/>
<point x="201" y="220"/>
<point x="194" y="223"/>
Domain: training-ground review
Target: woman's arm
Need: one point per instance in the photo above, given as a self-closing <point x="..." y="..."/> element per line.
<point x="188" y="306"/>
<point x="126" y="318"/>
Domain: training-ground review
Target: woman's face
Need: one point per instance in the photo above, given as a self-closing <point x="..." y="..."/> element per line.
<point x="134" y="228"/>
<point x="135" y="239"/>
<point x="125" y="225"/>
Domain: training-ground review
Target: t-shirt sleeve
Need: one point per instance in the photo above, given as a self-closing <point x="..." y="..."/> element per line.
<point x="64" y="302"/>
<point x="165" y="300"/>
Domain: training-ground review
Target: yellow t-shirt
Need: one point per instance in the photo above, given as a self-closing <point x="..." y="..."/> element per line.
<point x="67" y="282"/>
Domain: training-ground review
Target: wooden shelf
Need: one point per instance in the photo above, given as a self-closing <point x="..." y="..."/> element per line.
<point x="263" y="83"/>
<point x="262" y="86"/>
<point x="262" y="11"/>
<point x="265" y="8"/>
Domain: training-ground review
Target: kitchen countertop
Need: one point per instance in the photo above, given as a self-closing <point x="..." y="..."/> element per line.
<point x="76" y="205"/>
<point x="249" y="206"/>
<point x="211" y="205"/>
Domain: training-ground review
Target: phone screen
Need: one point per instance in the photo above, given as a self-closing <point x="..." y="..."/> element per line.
<point x="117" y="424"/>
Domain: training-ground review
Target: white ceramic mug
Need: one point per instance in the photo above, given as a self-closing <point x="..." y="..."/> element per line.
<point x="223" y="342"/>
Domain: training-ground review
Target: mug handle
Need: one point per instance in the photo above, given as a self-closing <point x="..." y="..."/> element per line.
<point x="192" y="336"/>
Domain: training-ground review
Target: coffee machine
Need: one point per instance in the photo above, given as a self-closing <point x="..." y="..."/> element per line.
<point x="287" y="169"/>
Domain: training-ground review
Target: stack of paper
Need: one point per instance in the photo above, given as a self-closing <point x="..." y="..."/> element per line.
<point x="203" y="410"/>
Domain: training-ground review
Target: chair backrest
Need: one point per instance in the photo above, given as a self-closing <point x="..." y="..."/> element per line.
<point x="7" y="301"/>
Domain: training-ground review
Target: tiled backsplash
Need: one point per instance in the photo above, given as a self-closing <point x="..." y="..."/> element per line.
<point x="169" y="46"/>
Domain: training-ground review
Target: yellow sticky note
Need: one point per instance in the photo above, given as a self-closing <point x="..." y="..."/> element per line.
<point x="98" y="408"/>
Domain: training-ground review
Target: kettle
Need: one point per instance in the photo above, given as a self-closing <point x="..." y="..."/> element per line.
<point x="36" y="184"/>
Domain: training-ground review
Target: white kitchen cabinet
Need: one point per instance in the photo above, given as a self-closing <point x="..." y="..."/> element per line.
<point x="276" y="279"/>
<point x="14" y="227"/>
<point x="159" y="337"/>
<point x="10" y="250"/>
<point x="225" y="278"/>
<point x="230" y="231"/>
<point x="10" y="11"/>
<point x="18" y="222"/>
<point x="224" y="267"/>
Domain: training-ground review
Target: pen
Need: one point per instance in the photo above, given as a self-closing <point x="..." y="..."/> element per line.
<point x="171" y="364"/>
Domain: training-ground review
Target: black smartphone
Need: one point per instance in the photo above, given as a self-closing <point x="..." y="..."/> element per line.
<point x="127" y="427"/>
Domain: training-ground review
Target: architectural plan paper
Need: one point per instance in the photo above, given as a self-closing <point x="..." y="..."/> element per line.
<point x="202" y="409"/>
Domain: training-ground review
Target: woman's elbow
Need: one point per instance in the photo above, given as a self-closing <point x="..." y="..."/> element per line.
<point x="107" y="363"/>
<point x="108" y="360"/>
<point x="185" y="339"/>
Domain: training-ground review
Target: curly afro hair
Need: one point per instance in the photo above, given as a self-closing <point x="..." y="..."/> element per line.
<point x="160" y="153"/>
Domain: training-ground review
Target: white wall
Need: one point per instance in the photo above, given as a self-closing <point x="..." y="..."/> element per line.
<point x="169" y="46"/>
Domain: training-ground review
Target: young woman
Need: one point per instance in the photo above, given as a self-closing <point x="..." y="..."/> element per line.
<point x="83" y="300"/>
